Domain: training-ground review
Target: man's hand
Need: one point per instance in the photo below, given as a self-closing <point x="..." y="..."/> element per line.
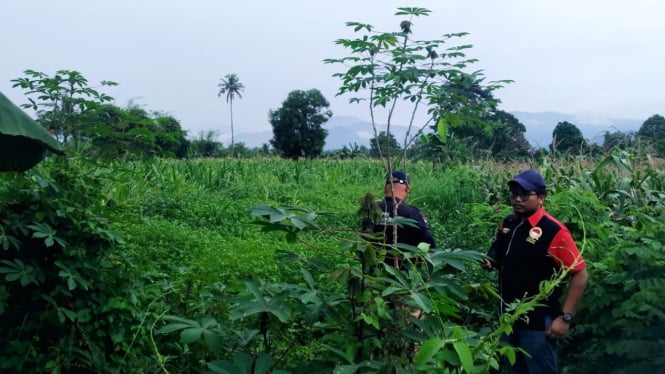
<point x="487" y="264"/>
<point x="558" y="330"/>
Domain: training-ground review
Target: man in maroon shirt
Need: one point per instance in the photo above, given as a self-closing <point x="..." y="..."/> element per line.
<point x="531" y="246"/>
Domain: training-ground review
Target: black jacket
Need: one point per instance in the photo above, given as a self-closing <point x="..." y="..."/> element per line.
<point x="405" y="234"/>
<point x="523" y="253"/>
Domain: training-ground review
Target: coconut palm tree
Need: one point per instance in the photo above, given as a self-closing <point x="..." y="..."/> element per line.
<point x="231" y="86"/>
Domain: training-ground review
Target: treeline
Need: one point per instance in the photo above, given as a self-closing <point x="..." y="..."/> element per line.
<point x="85" y="120"/>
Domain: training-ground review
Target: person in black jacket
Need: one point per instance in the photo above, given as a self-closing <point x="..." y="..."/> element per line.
<point x="531" y="246"/>
<point x="396" y="190"/>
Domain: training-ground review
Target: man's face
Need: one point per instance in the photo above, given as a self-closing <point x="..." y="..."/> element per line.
<point x="524" y="202"/>
<point x="401" y="190"/>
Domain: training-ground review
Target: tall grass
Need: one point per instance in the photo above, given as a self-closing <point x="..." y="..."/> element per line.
<point x="189" y="222"/>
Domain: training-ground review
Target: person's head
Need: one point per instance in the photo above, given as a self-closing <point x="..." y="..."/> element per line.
<point x="401" y="185"/>
<point x="527" y="192"/>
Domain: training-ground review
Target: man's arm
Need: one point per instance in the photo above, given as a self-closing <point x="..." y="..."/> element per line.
<point x="578" y="283"/>
<point x="576" y="287"/>
<point x="425" y="233"/>
<point x="492" y="261"/>
<point x="427" y="236"/>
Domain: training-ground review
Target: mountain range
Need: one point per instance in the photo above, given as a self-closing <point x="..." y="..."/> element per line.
<point x="348" y="130"/>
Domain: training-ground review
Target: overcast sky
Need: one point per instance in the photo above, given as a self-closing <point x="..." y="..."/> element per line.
<point x="591" y="58"/>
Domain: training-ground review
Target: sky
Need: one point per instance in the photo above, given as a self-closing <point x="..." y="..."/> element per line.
<point x="594" y="59"/>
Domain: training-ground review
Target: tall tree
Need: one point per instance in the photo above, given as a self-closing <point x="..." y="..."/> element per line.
<point x="133" y="133"/>
<point x="64" y="103"/>
<point x="476" y="127"/>
<point x="172" y="139"/>
<point x="653" y="132"/>
<point x="297" y="125"/>
<point x="206" y="144"/>
<point x="465" y="107"/>
<point x="508" y="139"/>
<point x="616" y="140"/>
<point x="384" y="145"/>
<point x="231" y="87"/>
<point x="567" y="139"/>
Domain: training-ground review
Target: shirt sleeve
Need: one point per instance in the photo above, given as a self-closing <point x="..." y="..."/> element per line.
<point x="565" y="252"/>
<point x="426" y="233"/>
<point x="493" y="252"/>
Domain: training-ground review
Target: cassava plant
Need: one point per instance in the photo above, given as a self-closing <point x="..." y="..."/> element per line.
<point x="63" y="101"/>
<point x="393" y="73"/>
<point x="68" y="301"/>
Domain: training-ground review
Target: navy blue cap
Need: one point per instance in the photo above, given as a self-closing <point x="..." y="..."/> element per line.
<point x="530" y="180"/>
<point x="398" y="177"/>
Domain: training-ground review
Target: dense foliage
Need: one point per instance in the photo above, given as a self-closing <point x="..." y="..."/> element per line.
<point x="196" y="261"/>
<point x="384" y="145"/>
<point x="63" y="102"/>
<point x="567" y="139"/>
<point x="259" y="265"/>
<point x="68" y="299"/>
<point x="297" y="125"/>
<point x="83" y="119"/>
<point x="652" y="132"/>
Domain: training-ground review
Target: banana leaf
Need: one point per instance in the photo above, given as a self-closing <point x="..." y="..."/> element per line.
<point x="23" y="142"/>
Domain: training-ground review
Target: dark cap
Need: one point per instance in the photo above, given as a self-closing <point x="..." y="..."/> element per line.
<point x="530" y="180"/>
<point x="398" y="177"/>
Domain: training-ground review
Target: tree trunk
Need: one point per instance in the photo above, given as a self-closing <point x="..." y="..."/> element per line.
<point x="232" y="139"/>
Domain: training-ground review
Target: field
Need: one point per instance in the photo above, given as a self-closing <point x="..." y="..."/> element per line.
<point x="191" y="275"/>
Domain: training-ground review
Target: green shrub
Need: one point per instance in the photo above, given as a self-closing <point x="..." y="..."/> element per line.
<point x="68" y="299"/>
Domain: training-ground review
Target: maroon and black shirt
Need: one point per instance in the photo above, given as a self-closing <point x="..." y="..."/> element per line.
<point x="527" y="252"/>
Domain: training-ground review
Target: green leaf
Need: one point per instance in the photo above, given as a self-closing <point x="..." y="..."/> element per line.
<point x="213" y="340"/>
<point x="263" y="364"/>
<point x="428" y="350"/>
<point x="84" y="315"/>
<point x="464" y="354"/>
<point x="71" y="315"/>
<point x="173" y="327"/>
<point x="71" y="283"/>
<point x="275" y="215"/>
<point x="297" y="222"/>
<point x="442" y="129"/>
<point x="208" y="322"/>
<point x="222" y="367"/>
<point x="12" y="276"/>
<point x="190" y="335"/>
<point x="370" y="320"/>
<point x="279" y="309"/>
<point x="510" y="353"/>
<point x="308" y="277"/>
<point x="243" y="363"/>
<point x="423" y="302"/>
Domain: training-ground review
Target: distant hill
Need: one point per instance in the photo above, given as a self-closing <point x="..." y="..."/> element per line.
<point x="348" y="130"/>
<point x="342" y="131"/>
<point x="539" y="126"/>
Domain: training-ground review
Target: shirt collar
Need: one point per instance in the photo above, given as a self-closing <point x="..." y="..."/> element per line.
<point x="536" y="216"/>
<point x="390" y="198"/>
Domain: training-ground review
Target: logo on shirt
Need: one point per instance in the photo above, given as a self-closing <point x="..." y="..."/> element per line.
<point x="534" y="234"/>
<point x="386" y="219"/>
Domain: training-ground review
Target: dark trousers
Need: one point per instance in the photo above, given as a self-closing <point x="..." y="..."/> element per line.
<point x="541" y="351"/>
